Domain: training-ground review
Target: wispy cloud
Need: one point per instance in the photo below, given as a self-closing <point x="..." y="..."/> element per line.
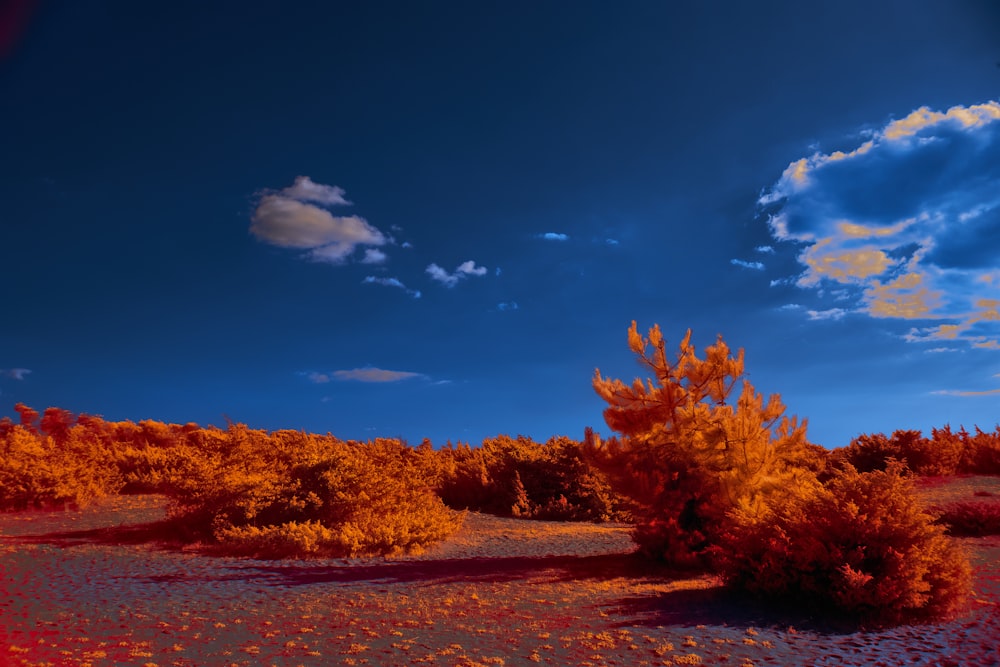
<point x="391" y="282"/>
<point x="371" y="374"/>
<point x="464" y="270"/>
<point x="507" y="305"/>
<point x="756" y="266"/>
<point x="554" y="236"/>
<point x="15" y="373"/>
<point x="831" y="314"/>
<point x="908" y="222"/>
<point x="959" y="392"/>
<point x="295" y="217"/>
<point x="765" y="249"/>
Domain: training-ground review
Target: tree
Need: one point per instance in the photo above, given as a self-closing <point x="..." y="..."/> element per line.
<point x="687" y="455"/>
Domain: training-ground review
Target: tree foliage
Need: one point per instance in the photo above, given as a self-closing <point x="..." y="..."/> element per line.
<point x="687" y="453"/>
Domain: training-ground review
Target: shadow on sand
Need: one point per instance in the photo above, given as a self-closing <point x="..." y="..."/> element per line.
<point x="686" y="607"/>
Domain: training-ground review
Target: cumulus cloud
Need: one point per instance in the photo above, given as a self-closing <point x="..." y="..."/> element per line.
<point x="14" y="373"/>
<point x="906" y="224"/>
<point x="391" y="282"/>
<point x="297" y="217"/>
<point x="554" y="236"/>
<point x="756" y="266"/>
<point x="371" y="374"/>
<point x="464" y="270"/>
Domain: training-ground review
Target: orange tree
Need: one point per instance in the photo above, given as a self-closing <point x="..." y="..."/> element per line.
<point x="688" y="453"/>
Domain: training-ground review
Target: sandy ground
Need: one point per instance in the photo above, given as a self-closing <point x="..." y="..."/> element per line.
<point x="89" y="588"/>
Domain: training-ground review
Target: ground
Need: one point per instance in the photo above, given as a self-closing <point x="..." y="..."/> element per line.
<point x="91" y="588"/>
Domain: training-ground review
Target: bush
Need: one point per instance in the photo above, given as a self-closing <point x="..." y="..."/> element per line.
<point x="861" y="546"/>
<point x="294" y="494"/>
<point x="39" y="470"/>
<point x="520" y="477"/>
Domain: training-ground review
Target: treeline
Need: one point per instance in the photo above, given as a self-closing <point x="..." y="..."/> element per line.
<point x="287" y="492"/>
<point x="945" y="452"/>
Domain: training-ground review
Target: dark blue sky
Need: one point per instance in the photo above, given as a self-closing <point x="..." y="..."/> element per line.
<point x="436" y="219"/>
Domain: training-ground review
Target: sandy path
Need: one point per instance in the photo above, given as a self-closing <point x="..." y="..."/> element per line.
<point x="501" y="592"/>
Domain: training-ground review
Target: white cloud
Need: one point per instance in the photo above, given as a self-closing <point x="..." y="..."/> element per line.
<point x="765" y="249"/>
<point x="464" y="270"/>
<point x="391" y="282"/>
<point x="304" y="189"/>
<point x="371" y="374"/>
<point x="554" y="236"/>
<point x="15" y="373"/>
<point x="293" y="218"/>
<point x="507" y="305"/>
<point x="906" y="225"/>
<point x="756" y="266"/>
<point x="373" y="256"/>
<point x="831" y="314"/>
<point x="940" y="350"/>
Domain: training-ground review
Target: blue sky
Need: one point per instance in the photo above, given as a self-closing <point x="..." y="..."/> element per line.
<point x="437" y="219"/>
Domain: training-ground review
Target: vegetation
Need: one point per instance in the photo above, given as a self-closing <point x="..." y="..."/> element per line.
<point x="738" y="488"/>
<point x="711" y="474"/>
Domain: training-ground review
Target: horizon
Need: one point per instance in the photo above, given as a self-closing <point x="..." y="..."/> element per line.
<point x="436" y="221"/>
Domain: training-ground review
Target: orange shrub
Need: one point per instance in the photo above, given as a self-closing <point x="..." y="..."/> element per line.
<point x="295" y="494"/>
<point x="520" y="477"/>
<point x="39" y="470"/>
<point x="861" y="546"/>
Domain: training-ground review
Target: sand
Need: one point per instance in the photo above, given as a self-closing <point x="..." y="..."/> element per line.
<point x="90" y="588"/>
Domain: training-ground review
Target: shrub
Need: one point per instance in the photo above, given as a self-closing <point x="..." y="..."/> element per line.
<point x="970" y="519"/>
<point x="688" y="452"/>
<point x="861" y="546"/>
<point x="291" y="493"/>
<point x="520" y="477"/>
<point x="39" y="470"/>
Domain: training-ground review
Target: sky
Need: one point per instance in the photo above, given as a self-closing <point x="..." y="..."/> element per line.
<point x="437" y="219"/>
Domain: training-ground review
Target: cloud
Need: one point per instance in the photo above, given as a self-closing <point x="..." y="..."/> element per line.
<point x="295" y="218"/>
<point x="906" y="224"/>
<point x="958" y="392"/>
<point x="831" y="314"/>
<point x="464" y="270"/>
<point x="507" y="305"/>
<point x="611" y="241"/>
<point x="373" y="256"/>
<point x="756" y="266"/>
<point x="765" y="249"/>
<point x="15" y="373"/>
<point x="371" y="374"/>
<point x="317" y="378"/>
<point x="391" y="282"/>
<point x="554" y="236"/>
<point x="304" y="189"/>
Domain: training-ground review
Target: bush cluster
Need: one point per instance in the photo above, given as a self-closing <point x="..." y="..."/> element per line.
<point x="521" y="478"/>
<point x="946" y="452"/>
<point x="734" y="486"/>
<point x="249" y="492"/>
<point x="291" y="493"/>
